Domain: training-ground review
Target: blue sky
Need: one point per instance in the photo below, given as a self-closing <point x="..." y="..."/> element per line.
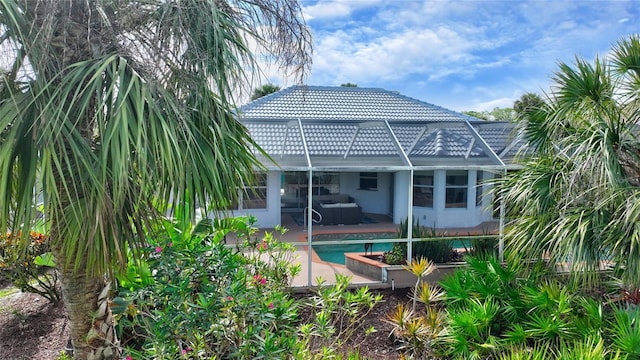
<point x="462" y="55"/>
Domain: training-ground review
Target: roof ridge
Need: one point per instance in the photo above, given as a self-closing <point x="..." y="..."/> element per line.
<point x="330" y="103"/>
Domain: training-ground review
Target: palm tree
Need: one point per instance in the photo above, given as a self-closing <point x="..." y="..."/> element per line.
<point x="577" y="198"/>
<point x="110" y="108"/>
<point x="264" y="90"/>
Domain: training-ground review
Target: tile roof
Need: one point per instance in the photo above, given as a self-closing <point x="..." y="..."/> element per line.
<point x="358" y="127"/>
<point x="344" y="103"/>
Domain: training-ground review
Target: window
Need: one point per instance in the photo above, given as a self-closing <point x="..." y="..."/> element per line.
<point x="324" y="183"/>
<point x="479" y="187"/>
<point x="255" y="196"/>
<point x="456" y="189"/>
<point x="368" y="181"/>
<point x="423" y="189"/>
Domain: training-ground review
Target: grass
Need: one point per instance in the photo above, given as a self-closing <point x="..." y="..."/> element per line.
<point x="9" y="290"/>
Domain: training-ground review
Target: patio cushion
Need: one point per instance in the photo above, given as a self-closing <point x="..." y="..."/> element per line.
<point x="337" y="209"/>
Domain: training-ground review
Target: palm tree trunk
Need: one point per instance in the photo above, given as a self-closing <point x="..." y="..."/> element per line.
<point x="91" y="326"/>
<point x="80" y="295"/>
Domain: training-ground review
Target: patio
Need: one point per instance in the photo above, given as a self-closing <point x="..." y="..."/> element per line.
<point x="314" y="265"/>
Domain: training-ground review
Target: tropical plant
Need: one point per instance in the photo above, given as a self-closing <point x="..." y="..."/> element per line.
<point x="416" y="333"/>
<point x="32" y="271"/>
<point x="112" y="108"/>
<point x="485" y="246"/>
<point x="396" y="256"/>
<point x="591" y="349"/>
<point x="215" y="301"/>
<point x="419" y="268"/>
<point x="487" y="307"/>
<point x="337" y="318"/>
<point x="577" y="199"/>
<point x="624" y="331"/>
<point x="264" y="90"/>
<point x="436" y="250"/>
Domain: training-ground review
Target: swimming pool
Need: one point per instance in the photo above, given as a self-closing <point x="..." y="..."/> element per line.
<point x="334" y="253"/>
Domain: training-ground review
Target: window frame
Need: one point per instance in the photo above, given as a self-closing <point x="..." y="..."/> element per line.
<point x="458" y="204"/>
<point x="368" y="177"/>
<point x="480" y="188"/>
<point x="247" y="194"/>
<point x="422" y="187"/>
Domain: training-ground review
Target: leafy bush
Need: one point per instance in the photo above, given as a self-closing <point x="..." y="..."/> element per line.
<point x="484" y="247"/>
<point x="625" y="332"/>
<point x="397" y="255"/>
<point x="438" y="251"/>
<point x="207" y="300"/>
<point x="29" y="268"/>
<point x="498" y="308"/>
<point x="415" y="332"/>
<point x="337" y="319"/>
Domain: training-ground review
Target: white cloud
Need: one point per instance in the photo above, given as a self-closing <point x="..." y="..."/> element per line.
<point x="334" y="8"/>
<point x="505" y="102"/>
<point x="465" y="55"/>
<point x="326" y="10"/>
<point x="436" y="53"/>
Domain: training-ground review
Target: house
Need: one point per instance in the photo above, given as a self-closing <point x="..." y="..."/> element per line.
<point x="348" y="151"/>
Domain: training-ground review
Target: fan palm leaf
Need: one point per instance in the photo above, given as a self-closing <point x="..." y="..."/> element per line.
<point x="114" y="111"/>
<point x="574" y="202"/>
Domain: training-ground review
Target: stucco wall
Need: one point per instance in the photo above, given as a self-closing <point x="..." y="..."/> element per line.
<point x="380" y="201"/>
<point x="441" y="217"/>
<point x="269" y="217"/>
<point x="371" y="201"/>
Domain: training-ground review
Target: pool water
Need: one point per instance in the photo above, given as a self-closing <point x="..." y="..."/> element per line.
<point x="335" y="253"/>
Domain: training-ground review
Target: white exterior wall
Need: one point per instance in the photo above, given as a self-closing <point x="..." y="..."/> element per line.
<point x="441" y="217"/>
<point x="371" y="201"/>
<point x="430" y="217"/>
<point x="269" y="217"/>
<point x="401" y="196"/>
<point x="486" y="207"/>
<point x="379" y="202"/>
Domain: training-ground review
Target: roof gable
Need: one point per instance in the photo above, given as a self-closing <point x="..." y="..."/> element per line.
<point x="357" y="128"/>
<point x="344" y="104"/>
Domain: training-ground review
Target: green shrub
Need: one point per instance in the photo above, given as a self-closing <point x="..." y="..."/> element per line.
<point x="208" y="300"/>
<point x="484" y="247"/>
<point x="337" y="319"/>
<point x="397" y="255"/>
<point x="624" y="331"/>
<point x="29" y="268"/>
<point x="437" y="251"/>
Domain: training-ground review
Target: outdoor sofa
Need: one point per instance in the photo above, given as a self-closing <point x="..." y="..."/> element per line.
<point x="337" y="209"/>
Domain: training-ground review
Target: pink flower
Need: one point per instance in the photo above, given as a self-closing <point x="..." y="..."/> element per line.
<point x="129" y="357"/>
<point x="259" y="279"/>
<point x="230" y="298"/>
<point x="158" y="249"/>
<point x="170" y="244"/>
<point x="184" y="352"/>
<point x="270" y="305"/>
